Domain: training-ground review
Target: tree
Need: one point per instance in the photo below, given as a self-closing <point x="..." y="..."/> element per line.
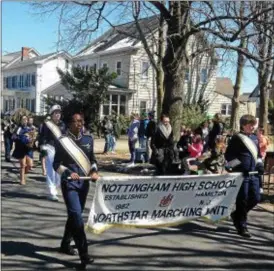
<point x="88" y="88"/>
<point x="181" y="20"/>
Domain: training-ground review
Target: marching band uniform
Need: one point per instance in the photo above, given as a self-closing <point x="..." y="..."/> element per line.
<point x="74" y="191"/>
<point x="245" y="148"/>
<point x="22" y="151"/>
<point x="48" y="140"/>
<point x="8" y="129"/>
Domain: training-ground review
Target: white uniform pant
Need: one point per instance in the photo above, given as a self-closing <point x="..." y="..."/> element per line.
<point x="53" y="178"/>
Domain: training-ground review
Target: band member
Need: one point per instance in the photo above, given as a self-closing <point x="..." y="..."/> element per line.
<point x="43" y="153"/>
<point x="9" y="128"/>
<point x="23" y="150"/>
<point x="48" y="147"/>
<point x="244" y="148"/>
<point x="34" y="134"/>
<point x="74" y="158"/>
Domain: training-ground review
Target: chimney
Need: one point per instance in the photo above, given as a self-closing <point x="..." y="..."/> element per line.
<point x="25" y="53"/>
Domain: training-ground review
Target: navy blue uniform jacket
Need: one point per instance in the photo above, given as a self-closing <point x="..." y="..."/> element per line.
<point x="63" y="161"/>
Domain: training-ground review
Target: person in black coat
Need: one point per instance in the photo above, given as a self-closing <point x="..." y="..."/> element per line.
<point x="217" y="129"/>
<point x="184" y="142"/>
<point x="162" y="146"/>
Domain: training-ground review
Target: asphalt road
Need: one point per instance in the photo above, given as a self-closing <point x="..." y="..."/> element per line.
<point x="32" y="228"/>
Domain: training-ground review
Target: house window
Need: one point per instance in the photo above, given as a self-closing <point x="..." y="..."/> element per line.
<point x="114" y="104"/>
<point x="9" y="82"/>
<point x="203" y="77"/>
<point x="28" y="104"/>
<point x="105" y="65"/>
<point x="5" y="82"/>
<point x="32" y="105"/>
<point x="226" y="109"/>
<point x="94" y="66"/>
<point x="21" y="81"/>
<point x="87" y="67"/>
<point x="22" y="103"/>
<point x="119" y="68"/>
<point x="6" y="105"/>
<point x="144" y="70"/>
<point x="18" y="102"/>
<point x="14" y="82"/>
<point x="122" y="109"/>
<point x="106" y="106"/>
<point x="187" y="75"/>
<point x="143" y="106"/>
<point x="67" y="64"/>
<point x="33" y="79"/>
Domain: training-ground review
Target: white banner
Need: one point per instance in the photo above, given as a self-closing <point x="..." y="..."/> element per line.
<point x="161" y="201"/>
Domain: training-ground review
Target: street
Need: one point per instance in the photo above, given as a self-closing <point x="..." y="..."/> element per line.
<point x="32" y="227"/>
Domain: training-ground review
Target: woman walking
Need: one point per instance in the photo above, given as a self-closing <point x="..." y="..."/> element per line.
<point x="23" y="148"/>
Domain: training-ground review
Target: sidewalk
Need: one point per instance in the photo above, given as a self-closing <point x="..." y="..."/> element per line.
<point x="32" y="228"/>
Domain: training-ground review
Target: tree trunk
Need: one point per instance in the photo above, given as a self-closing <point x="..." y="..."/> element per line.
<point x="159" y="71"/>
<point x="174" y="63"/>
<point x="160" y="90"/>
<point x="237" y="87"/>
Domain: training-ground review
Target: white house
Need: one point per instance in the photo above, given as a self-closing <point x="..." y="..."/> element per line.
<point x="25" y="74"/>
<point x="221" y="100"/>
<point x="134" y="90"/>
<point x="28" y="76"/>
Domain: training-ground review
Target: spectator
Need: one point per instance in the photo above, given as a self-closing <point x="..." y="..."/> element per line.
<point x="133" y="137"/>
<point x="142" y="131"/>
<point x="195" y="149"/>
<point x="150" y="131"/>
<point x="217" y="129"/>
<point x="183" y="143"/>
<point x="203" y="131"/>
<point x="263" y="142"/>
<point x="107" y="132"/>
<point x="162" y="146"/>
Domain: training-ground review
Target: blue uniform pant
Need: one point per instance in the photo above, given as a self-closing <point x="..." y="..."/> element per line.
<point x="8" y="146"/>
<point x="247" y="199"/>
<point x="75" y="195"/>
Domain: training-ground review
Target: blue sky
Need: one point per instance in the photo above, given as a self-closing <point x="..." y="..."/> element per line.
<point x="21" y="28"/>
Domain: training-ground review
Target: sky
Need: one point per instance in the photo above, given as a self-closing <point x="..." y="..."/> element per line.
<point x="20" y="27"/>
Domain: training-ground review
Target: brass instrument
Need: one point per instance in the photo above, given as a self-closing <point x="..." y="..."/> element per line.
<point x="32" y="136"/>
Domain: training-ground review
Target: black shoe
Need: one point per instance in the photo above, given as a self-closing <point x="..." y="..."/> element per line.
<point x="235" y="223"/>
<point x="85" y="260"/>
<point x="68" y="250"/>
<point x="244" y="232"/>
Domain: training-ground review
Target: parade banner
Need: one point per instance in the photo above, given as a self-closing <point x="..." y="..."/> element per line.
<point x="159" y="201"/>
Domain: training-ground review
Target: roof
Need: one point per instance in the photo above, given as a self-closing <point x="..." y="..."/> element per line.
<point x="224" y="86"/>
<point x="9" y="57"/>
<point x="59" y="90"/>
<point x="121" y="36"/>
<point x="255" y="93"/>
<point x="35" y="60"/>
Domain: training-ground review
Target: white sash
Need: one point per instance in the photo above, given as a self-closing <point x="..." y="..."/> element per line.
<point x="250" y="145"/>
<point x="71" y="148"/>
<point x="76" y="154"/>
<point x="54" y="128"/>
